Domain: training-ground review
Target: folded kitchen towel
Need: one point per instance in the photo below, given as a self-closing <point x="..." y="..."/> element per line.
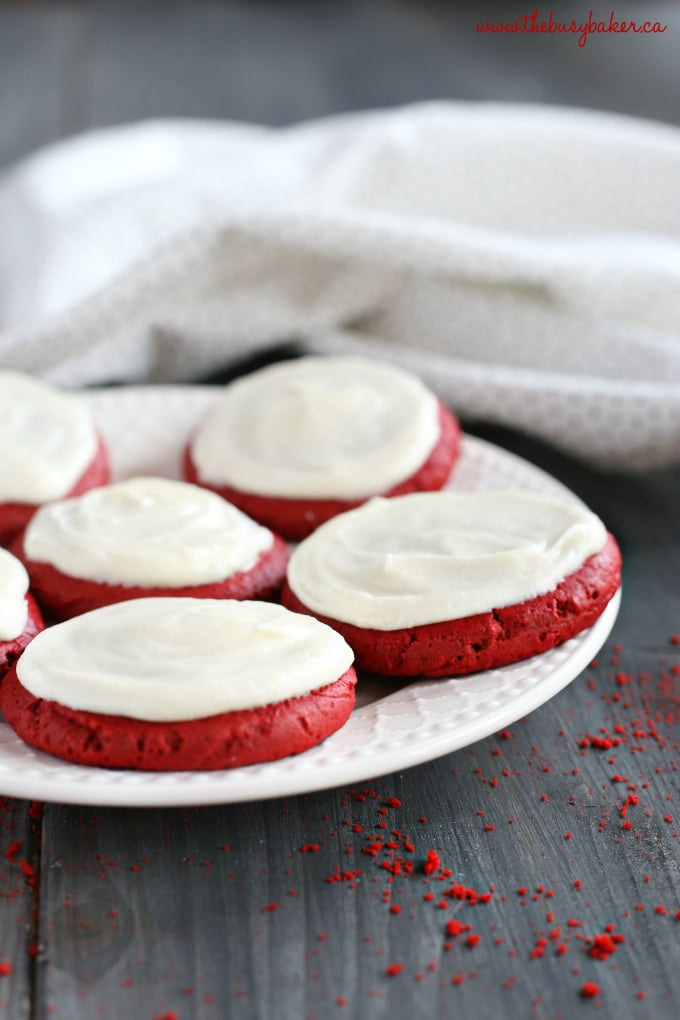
<point x="525" y="261"/>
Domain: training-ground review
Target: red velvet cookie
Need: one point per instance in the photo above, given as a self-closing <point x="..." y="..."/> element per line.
<point x="11" y="650"/>
<point x="180" y="683"/>
<point x="15" y="516"/>
<point x="486" y="640"/>
<point x="295" y="519"/>
<point x="227" y="740"/>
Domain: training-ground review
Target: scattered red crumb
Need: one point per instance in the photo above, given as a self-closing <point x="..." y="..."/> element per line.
<point x="5" y="968"/>
<point x="590" y="989"/>
<point x="432" y="863"/>
<point x="341" y="1001"/>
<point x="29" y="872"/>
<point x="343" y="875"/>
<point x="269" y="908"/>
<point x="538" y="950"/>
<point x="309" y="848"/>
<point x="604" y="945"/>
<point x="637" y="717"/>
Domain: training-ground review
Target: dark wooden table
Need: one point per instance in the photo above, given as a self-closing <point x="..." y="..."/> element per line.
<point x="570" y="820"/>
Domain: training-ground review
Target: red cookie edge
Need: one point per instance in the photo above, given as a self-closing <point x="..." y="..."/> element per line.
<point x="486" y="640"/>
<point x="295" y="519"/>
<point x="64" y="596"/>
<point x="227" y="740"/>
<point x="11" y="650"/>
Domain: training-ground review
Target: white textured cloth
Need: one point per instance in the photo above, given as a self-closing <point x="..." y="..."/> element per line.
<point x="525" y="261"/>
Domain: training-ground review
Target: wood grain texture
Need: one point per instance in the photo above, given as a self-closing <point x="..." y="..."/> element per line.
<point x="20" y="834"/>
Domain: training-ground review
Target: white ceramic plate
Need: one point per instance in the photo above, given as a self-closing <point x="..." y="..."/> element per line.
<point x="395" y="724"/>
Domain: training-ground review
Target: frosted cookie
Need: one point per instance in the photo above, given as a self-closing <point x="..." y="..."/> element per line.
<point x="296" y="443"/>
<point x="49" y="449"/>
<point x="451" y="583"/>
<point x="147" y="537"/>
<point x="181" y="684"/>
<point x="20" y="618"/>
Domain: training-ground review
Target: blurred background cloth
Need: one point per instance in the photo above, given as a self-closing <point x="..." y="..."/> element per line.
<point x="525" y="260"/>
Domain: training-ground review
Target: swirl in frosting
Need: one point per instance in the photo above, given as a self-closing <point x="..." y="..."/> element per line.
<point x="318" y="428"/>
<point x="430" y="557"/>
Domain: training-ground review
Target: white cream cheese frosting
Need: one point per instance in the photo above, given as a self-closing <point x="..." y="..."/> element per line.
<point x="431" y="557"/>
<point x="152" y="532"/>
<point x="13" y="605"/>
<point x="325" y="428"/>
<point x="172" y="659"/>
<point x="47" y="440"/>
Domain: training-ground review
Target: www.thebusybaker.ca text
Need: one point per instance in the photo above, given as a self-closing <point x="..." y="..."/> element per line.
<point x="536" y="23"/>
